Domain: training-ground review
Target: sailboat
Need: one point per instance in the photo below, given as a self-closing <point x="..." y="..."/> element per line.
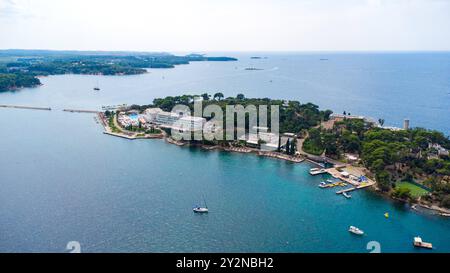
<point x="96" y="87"/>
<point x="200" y="209"/>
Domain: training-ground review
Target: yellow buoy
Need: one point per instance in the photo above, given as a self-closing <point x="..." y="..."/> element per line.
<point x="386" y="215"/>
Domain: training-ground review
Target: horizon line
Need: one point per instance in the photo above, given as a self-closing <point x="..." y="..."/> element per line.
<point x="231" y="51"/>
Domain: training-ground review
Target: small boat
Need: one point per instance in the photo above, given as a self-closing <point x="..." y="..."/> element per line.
<point x="444" y="214"/>
<point x="200" y="209"/>
<point x="96" y="87"/>
<point x="355" y="230"/>
<point x="419" y="243"/>
<point x="316" y="171"/>
<point x="348" y="196"/>
<point x="386" y="215"/>
<point x="329" y="181"/>
<point x="323" y="185"/>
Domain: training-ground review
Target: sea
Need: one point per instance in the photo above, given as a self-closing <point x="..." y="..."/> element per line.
<point x="63" y="180"/>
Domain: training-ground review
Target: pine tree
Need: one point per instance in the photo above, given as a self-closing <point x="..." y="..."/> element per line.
<point x="279" y="143"/>
<point x="287" y="146"/>
<point x="292" y="150"/>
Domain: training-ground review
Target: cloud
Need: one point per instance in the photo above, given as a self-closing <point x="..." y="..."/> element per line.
<point x="15" y="9"/>
<point x="221" y="25"/>
<point x="8" y="8"/>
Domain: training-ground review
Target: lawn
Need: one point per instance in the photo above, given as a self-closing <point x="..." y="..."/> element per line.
<point x="416" y="191"/>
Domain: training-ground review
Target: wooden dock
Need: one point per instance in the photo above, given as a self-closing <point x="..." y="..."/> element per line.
<point x="25" y="107"/>
<point x="361" y="186"/>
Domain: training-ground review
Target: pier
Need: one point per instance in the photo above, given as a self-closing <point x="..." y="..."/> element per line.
<point x="81" y="111"/>
<point x="362" y="186"/>
<point x="350" y="178"/>
<point x="25" y="107"/>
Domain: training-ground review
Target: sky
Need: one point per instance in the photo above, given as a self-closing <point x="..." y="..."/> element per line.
<point x="226" y="25"/>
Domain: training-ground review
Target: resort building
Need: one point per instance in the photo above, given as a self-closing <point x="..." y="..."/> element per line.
<point x="150" y="114"/>
<point x="341" y="117"/>
<point x="166" y="118"/>
<point x="173" y="120"/>
<point x="441" y="151"/>
<point x="189" y="123"/>
<point x="263" y="140"/>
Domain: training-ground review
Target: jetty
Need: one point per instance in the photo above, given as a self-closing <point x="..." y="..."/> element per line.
<point x="362" y="186"/>
<point x="352" y="176"/>
<point x="80" y="111"/>
<point x="25" y="107"/>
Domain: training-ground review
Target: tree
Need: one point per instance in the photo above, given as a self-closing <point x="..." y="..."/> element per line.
<point x="218" y="96"/>
<point x="288" y="144"/>
<point x="384" y="180"/>
<point x="381" y="122"/>
<point x="240" y="97"/>
<point x="279" y="143"/>
<point x="378" y="165"/>
<point x="293" y="147"/>
<point x="205" y="96"/>
<point x="402" y="192"/>
<point x="446" y="201"/>
<point x="345" y="113"/>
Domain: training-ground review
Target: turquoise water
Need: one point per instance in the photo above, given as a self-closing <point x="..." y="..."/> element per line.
<point x="133" y="116"/>
<point x="63" y="180"/>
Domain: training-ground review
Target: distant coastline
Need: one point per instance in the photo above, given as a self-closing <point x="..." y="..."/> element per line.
<point x="21" y="68"/>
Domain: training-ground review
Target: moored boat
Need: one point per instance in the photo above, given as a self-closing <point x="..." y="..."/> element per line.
<point x="316" y="171"/>
<point x="419" y="243"/>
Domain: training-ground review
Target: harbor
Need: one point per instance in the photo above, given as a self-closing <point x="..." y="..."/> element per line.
<point x="344" y="175"/>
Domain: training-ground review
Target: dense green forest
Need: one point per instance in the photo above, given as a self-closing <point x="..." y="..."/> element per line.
<point x="19" y="68"/>
<point x="13" y="81"/>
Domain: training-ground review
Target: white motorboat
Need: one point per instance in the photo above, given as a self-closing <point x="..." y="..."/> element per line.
<point x="200" y="209"/>
<point x="316" y="171"/>
<point x="419" y="243"/>
<point x="355" y="230"/>
<point x="346" y="195"/>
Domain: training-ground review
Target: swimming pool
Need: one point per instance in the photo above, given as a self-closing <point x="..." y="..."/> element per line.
<point x="133" y="116"/>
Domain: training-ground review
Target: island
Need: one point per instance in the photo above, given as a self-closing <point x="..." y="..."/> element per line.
<point x="407" y="164"/>
<point x="20" y="68"/>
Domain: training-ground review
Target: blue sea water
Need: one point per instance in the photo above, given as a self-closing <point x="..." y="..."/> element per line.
<point x="62" y="180"/>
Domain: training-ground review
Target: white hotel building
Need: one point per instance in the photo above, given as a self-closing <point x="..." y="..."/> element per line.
<point x="173" y="120"/>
